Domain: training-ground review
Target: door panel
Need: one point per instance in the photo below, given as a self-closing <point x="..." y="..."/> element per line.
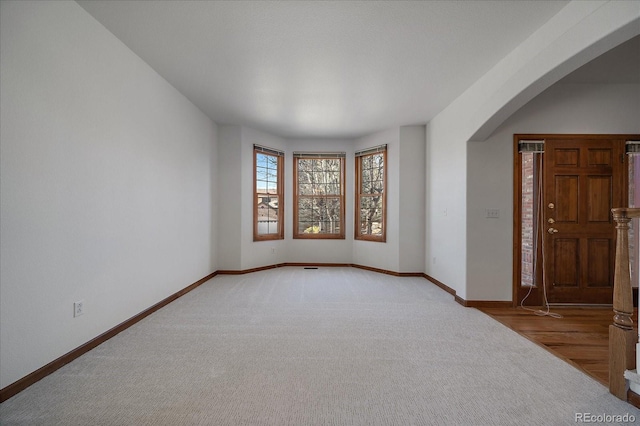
<point x="567" y="157"/>
<point x="583" y="180"/>
<point x="599" y="193"/>
<point x="566" y="199"/>
<point x="600" y="157"/>
<point x="566" y="262"/>
<point x="598" y="262"/>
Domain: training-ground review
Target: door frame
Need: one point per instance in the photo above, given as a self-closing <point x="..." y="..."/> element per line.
<point x="536" y="296"/>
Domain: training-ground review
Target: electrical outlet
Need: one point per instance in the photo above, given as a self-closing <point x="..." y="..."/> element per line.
<point x="78" y="308"/>
<point x="273" y="250"/>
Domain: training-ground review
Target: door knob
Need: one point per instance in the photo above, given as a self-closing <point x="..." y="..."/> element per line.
<point x="550" y="220"/>
<point x="552" y="231"/>
<point x="551" y="206"/>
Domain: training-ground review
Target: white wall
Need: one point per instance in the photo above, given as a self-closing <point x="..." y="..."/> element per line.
<point x="578" y="33"/>
<point x="111" y="186"/>
<point x="237" y="250"/>
<point x="412" y="198"/>
<point x="445" y="247"/>
<point x="229" y="197"/>
<point x="404" y="249"/>
<point x="375" y="254"/>
<point x="106" y="181"/>
<point x="563" y="108"/>
<point x="259" y="253"/>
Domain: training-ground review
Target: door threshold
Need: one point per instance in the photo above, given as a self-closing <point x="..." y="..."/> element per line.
<point x="581" y="305"/>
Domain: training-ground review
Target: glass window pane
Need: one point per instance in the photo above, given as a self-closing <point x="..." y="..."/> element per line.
<point x="307" y="228"/>
<point x="261" y="173"/>
<point x="272" y="162"/>
<point x="328" y="214"/>
<point x="266" y="202"/>
<point x="367" y="162"/>
<point x="318" y="196"/>
<point x="306" y="189"/>
<point x="318" y="182"/>
<point x="261" y="160"/>
<point x="319" y="215"/>
<point x="305" y="210"/>
<point x="371" y="215"/>
<point x="331" y="189"/>
<point x="317" y="177"/>
<point x="305" y="176"/>
<point x="334" y="176"/>
<point x="267" y="214"/>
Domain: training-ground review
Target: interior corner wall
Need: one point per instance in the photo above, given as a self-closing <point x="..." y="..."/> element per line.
<point x="404" y="249"/>
<point x="375" y="254"/>
<point x="257" y="253"/>
<point x="229" y="222"/>
<point x="106" y="181"/>
<point x="405" y="222"/>
<point x="563" y="108"/>
<point x="412" y="199"/>
<point x="406" y="154"/>
<point x="446" y="185"/>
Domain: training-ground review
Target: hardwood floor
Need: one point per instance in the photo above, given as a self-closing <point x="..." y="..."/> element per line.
<point x="580" y="337"/>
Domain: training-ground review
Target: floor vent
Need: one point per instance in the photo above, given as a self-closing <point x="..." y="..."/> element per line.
<point x="310" y="267"/>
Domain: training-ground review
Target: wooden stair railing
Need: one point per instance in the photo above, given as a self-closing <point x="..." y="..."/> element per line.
<point x="622" y="337"/>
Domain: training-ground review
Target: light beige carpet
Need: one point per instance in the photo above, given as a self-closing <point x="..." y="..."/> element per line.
<point x="333" y="346"/>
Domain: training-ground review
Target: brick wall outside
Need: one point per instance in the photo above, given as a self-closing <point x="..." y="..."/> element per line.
<point x="527" y="219"/>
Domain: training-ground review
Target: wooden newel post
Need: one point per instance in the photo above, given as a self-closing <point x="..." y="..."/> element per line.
<point x="622" y="338"/>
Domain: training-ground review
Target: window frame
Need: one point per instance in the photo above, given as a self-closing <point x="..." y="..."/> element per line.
<point x="279" y="235"/>
<point x="297" y="156"/>
<point x="358" y="235"/>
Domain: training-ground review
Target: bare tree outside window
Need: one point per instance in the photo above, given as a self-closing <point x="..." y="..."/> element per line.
<point x="371" y="196"/>
<point x="319" y="196"/>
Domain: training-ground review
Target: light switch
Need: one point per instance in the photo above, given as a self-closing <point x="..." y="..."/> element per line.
<point x="493" y="213"/>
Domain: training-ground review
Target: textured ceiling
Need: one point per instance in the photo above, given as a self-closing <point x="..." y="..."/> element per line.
<point x="322" y="69"/>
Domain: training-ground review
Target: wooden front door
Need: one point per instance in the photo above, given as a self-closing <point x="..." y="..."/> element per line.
<point x="583" y="180"/>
